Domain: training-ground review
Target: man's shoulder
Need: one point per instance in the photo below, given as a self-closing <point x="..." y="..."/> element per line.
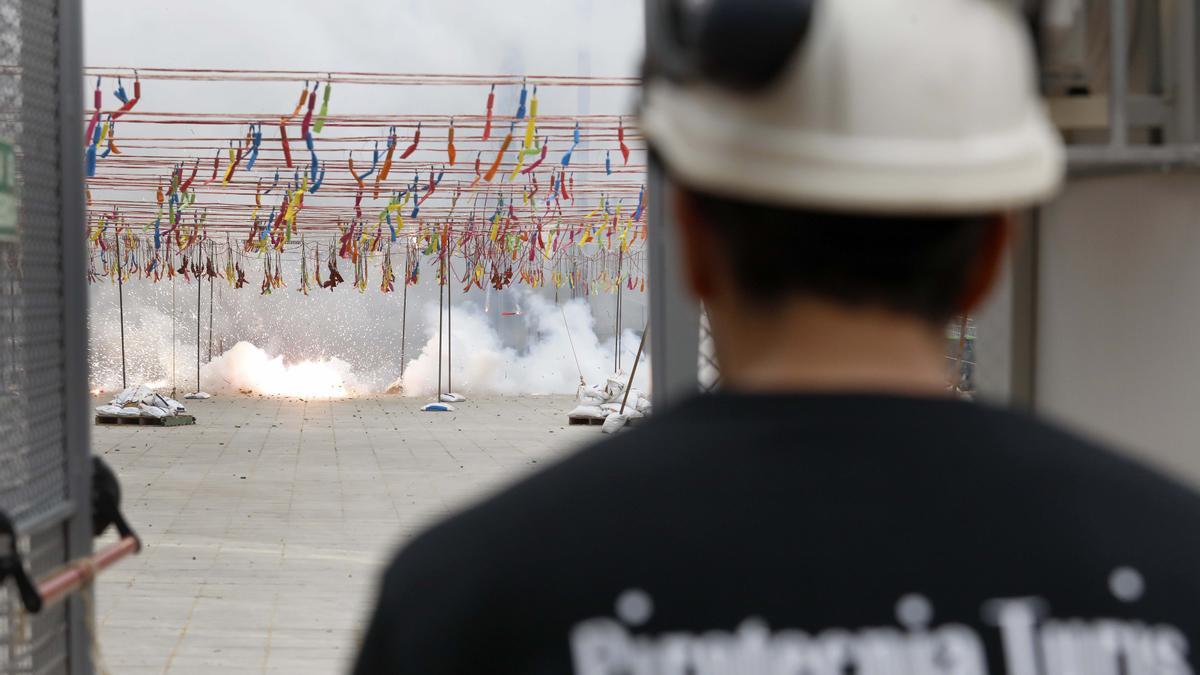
<point x="545" y="497"/>
<point x="560" y="505"/>
<point x="584" y="494"/>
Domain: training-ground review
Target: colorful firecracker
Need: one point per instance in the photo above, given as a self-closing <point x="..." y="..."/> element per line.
<point x="159" y="210"/>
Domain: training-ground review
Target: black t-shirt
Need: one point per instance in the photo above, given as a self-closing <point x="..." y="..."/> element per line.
<point x="809" y="535"/>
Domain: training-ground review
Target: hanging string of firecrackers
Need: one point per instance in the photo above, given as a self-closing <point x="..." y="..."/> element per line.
<point x="387" y="282"/>
<point x="491" y="172"/>
<point x="360" y="273"/>
<point x="511" y="237"/>
<point x="268" y="277"/>
<point x="487" y="122"/>
<point x="316" y="172"/>
<point x="305" y="95"/>
<point x="497" y="257"/>
<point x="304" y="285"/>
<point x="230" y="270"/>
<point x="97" y="133"/>
<point x="335" y="277"/>
<point x="387" y="161"/>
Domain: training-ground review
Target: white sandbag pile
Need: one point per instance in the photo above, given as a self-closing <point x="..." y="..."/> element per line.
<point x="602" y="403"/>
<point x="141" y="401"/>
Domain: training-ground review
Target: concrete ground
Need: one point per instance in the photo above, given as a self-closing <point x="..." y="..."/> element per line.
<point x="267" y="524"/>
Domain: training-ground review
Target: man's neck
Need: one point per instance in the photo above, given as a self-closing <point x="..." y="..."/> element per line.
<point x="816" y="347"/>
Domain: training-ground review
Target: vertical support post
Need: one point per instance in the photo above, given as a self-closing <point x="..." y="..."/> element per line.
<point x="174" y="324"/>
<point x="441" y="316"/>
<point x="449" y="328"/>
<point x="199" y="285"/>
<point x="617" y="325"/>
<point x="121" y="302"/>
<point x="76" y="436"/>
<point x="210" y="307"/>
<point x="1187" y="113"/>
<point x="675" y="340"/>
<point x="1023" y="351"/>
<point x="1118" y="78"/>
<point x="404" y="312"/>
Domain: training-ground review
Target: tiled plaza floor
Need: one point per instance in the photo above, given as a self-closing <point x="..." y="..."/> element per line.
<point x="267" y="524"/>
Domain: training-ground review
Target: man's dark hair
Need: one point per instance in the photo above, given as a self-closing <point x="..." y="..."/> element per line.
<point x="915" y="266"/>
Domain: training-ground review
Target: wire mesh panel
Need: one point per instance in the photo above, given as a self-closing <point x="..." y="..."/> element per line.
<point x="33" y="461"/>
<point x="34" y="644"/>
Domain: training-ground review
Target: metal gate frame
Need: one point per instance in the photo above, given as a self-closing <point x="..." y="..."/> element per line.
<point x="77" y="432"/>
<point x="674" y="315"/>
<point x="49" y="35"/>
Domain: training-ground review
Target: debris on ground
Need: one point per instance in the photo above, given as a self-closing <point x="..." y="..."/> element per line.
<point x="601" y="404"/>
<point x="141" y="401"/>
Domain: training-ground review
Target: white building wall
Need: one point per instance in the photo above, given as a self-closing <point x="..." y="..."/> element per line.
<point x="1118" y="339"/>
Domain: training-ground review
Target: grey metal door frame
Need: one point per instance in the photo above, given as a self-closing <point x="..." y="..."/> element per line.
<point x="674" y="315"/>
<point x="77" y="434"/>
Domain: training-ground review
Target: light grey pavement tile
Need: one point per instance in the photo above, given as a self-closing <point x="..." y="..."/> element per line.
<point x="267" y="524"/>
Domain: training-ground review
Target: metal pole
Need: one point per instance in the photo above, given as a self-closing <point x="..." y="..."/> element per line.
<point x="633" y="371"/>
<point x="174" y="325"/>
<point x="441" y="314"/>
<point x="1108" y="159"/>
<point x="675" y="344"/>
<point x="404" y="314"/>
<point x="76" y="435"/>
<point x="1026" y="257"/>
<point x="74" y="577"/>
<point x="210" y="309"/>
<point x="617" y="328"/>
<point x="1188" y="114"/>
<point x="121" y="304"/>
<point x="449" y="331"/>
<point x="199" y="284"/>
<point x="1118" y="88"/>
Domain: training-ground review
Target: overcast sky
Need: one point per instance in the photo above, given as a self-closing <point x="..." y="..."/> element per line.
<point x="537" y="37"/>
<point x="542" y="36"/>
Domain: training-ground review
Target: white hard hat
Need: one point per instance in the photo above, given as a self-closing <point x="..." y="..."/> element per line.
<point x="906" y="107"/>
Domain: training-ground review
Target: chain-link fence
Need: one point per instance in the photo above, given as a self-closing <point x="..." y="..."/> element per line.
<point x="34" y="464"/>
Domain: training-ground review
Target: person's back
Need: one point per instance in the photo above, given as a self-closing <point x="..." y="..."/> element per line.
<point x="834" y="510"/>
<point x="809" y="534"/>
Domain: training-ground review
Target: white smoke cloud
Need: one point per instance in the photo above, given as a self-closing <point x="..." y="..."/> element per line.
<point x="248" y="369"/>
<point x="482" y="364"/>
<point x="345" y="343"/>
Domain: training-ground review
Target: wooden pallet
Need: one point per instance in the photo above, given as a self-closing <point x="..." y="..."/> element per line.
<point x="169" y="421"/>
<point x="595" y="421"/>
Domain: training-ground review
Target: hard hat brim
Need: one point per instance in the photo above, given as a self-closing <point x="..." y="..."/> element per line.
<point x="709" y="147"/>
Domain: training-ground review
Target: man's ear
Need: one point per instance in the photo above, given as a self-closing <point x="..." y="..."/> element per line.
<point x="985" y="270"/>
<point x="698" y="246"/>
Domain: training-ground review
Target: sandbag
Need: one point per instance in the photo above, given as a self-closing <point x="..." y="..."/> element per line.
<point x="613" y="423"/>
<point x="616" y="384"/>
<point x="592" y="411"/>
<point x="591" y="396"/>
<point x="615" y="409"/>
<point x="153" y="411"/>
